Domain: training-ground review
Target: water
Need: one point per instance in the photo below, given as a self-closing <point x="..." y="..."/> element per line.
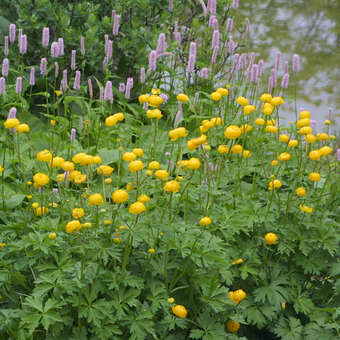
<point x="310" y="28"/>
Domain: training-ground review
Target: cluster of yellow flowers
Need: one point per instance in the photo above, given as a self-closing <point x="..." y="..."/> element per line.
<point x="14" y="123"/>
<point x="219" y="93"/>
<point x="177" y="133"/>
<point x="153" y="100"/>
<point x="114" y="119"/>
<point x="208" y="124"/>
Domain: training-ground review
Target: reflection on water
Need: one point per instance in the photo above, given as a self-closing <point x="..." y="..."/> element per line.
<point x="310" y="28"/>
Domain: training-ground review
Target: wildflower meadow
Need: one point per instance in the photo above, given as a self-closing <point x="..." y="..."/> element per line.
<point x="149" y="186"/>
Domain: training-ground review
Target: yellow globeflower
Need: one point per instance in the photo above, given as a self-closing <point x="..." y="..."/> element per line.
<point x="301" y="191"/>
<point x="285" y="156"/>
<point x="248" y="109"/>
<point x="233" y="326"/>
<point x="194" y="163"/>
<point x="277" y="101"/>
<point x="155" y="100"/>
<point x="266" y="98"/>
<point x="57" y="162"/>
<point x="111" y="121"/>
<point x="271" y="129"/>
<point x="68" y="166"/>
<point x="52" y="236"/>
<point x="314" y="177"/>
<point x="78" y="213"/>
<point x="136" y="166"/>
<point x="325" y="150"/>
<point x="306" y="208"/>
<point x="96" y="199"/>
<point x="304" y="114"/>
<point x="41" y="211"/>
<point x="137" y="208"/>
<point x="238" y="261"/>
<point x="222" y="149"/>
<point x="242" y="101"/>
<point x="172" y="186"/>
<point x="72" y="226"/>
<point x="232" y="132"/>
<point x="155" y="113"/>
<point x="40" y="179"/>
<point x="268" y="109"/>
<point x="143" y="98"/>
<point x="310" y="138"/>
<point x="44" y="156"/>
<point x="222" y="91"/>
<point x="129" y="156"/>
<point x="303" y="122"/>
<point x="180" y="311"/>
<point x="260" y="121"/>
<point x="106" y="170"/>
<point x="306" y="130"/>
<point x="143" y="198"/>
<point x="162" y="174"/>
<point x="293" y="143"/>
<point x="322" y="136"/>
<point x="139" y="152"/>
<point x="274" y="184"/>
<point x="11" y="123"/>
<point x="154" y="165"/>
<point x="284" y="138"/>
<point x="21" y="128"/>
<point x="236" y="149"/>
<point x="120" y="196"/>
<point x="204" y="221"/>
<point x="246" y="154"/>
<point x="315" y="155"/>
<point x="216" y="96"/>
<point x="271" y="238"/>
<point x="274" y="162"/>
<point x="182" y="97"/>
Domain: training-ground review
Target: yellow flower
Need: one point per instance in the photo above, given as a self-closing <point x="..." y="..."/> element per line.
<point x="68" y="166"/>
<point x="260" y="121"/>
<point x="11" y="123"/>
<point x="129" y="156"/>
<point x="237" y="296"/>
<point x="215" y="96"/>
<point x="274" y="184"/>
<point x="106" y="170"/>
<point x="57" y="162"/>
<point x="111" y="121"/>
<point x="236" y="149"/>
<point x="52" y="122"/>
<point x="58" y="93"/>
<point x="136" y="166"/>
<point x="40" y="179"/>
<point x="41" y="211"/>
<point x="268" y="109"/>
<point x="271" y="129"/>
<point x="222" y="91"/>
<point x="232" y="132"/>
<point x="21" y="128"/>
<point x="300" y="191"/>
<point x="172" y="186"/>
<point x="233" y="326"/>
<point x="248" y="109"/>
<point x="306" y="130"/>
<point x="120" y="196"/>
<point x="325" y="150"/>
<point x="314" y="155"/>
<point x="306" y="208"/>
<point x="222" y="149"/>
<point x="96" y="159"/>
<point x="162" y="174"/>
<point x="78" y="213"/>
<point x="96" y="199"/>
<point x="148" y="172"/>
<point x="129" y="187"/>
<point x="182" y="97"/>
<point x="44" y="156"/>
<point x="274" y="162"/>
<point x="154" y="165"/>
<point x="314" y="177"/>
<point x="266" y="98"/>
<point x="284" y="138"/>
<point x="242" y="101"/>
<point x="204" y="221"/>
<point x="35" y="205"/>
<point x="52" y="236"/>
<point x="107" y="222"/>
<point x="271" y="238"/>
<point x="155" y="100"/>
<point x="108" y="180"/>
<point x="180" y="311"/>
<point x="177" y="133"/>
<point x="303" y="122"/>
<point x="171" y="300"/>
<point x="143" y="198"/>
<point x="79" y="179"/>
<point x="72" y="226"/>
<point x="155" y="91"/>
<point x="194" y="163"/>
<point x="2" y="169"/>
<point x="285" y="156"/>
<point x="277" y="101"/>
<point x="238" y="261"/>
<point x="151" y="250"/>
<point x="143" y="98"/>
<point x="246" y="154"/>
<point x="139" y="152"/>
<point x="137" y="208"/>
<point x="322" y="136"/>
<point x="304" y="114"/>
<point x="155" y="113"/>
<point x="73" y="174"/>
<point x="293" y="143"/>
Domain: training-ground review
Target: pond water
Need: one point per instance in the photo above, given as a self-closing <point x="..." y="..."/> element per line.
<point x="310" y="28"/>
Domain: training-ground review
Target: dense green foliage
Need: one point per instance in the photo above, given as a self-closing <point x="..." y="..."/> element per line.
<point x="118" y="272"/>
